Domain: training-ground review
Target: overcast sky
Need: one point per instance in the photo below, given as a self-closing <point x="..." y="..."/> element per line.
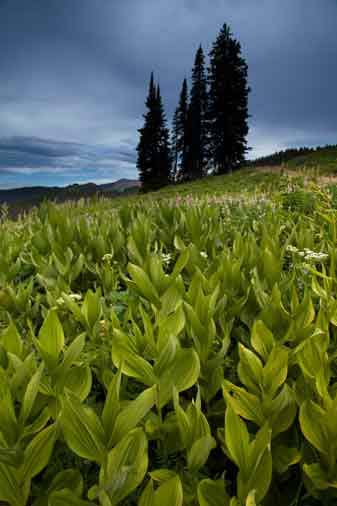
<point x="74" y="76"/>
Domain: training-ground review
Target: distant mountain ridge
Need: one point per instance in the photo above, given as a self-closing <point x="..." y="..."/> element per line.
<point x="35" y="194"/>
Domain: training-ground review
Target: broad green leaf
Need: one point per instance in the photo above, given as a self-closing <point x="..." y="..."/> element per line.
<point x="38" y="452"/>
<point x="11" y="340"/>
<point x="10" y="491"/>
<point x="319" y="477"/>
<point x="262" y="339"/>
<point x="170" y="493"/>
<point x="313" y="426"/>
<point x="82" y="429"/>
<point x="133" y="365"/>
<point x="143" y="283"/>
<point x="161" y="475"/>
<point x="243" y="403"/>
<point x="71" y="355"/>
<point x="66" y="498"/>
<point x="71" y="479"/>
<point x="126" y="466"/>
<point x="182" y="374"/>
<point x="112" y="404"/>
<point x="133" y="413"/>
<point x="275" y="371"/>
<point x="91" y="308"/>
<point x="236" y="438"/>
<point x="79" y="381"/>
<point x="147" y="497"/>
<point x="30" y="395"/>
<point x="51" y="339"/>
<point x="212" y="493"/>
<point x="250" y="370"/>
<point x="180" y="263"/>
<point x="284" y="457"/>
<point x="259" y="467"/>
<point x="199" y="453"/>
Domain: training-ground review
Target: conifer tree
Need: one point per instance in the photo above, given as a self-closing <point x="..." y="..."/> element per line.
<point x="228" y="103"/>
<point x="180" y="132"/>
<point x="153" y="160"/>
<point x="174" y="147"/>
<point x="197" y="120"/>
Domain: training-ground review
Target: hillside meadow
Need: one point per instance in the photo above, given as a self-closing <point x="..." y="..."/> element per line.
<point x="174" y="348"/>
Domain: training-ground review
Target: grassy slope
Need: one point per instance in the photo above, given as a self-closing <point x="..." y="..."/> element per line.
<point x="324" y="160"/>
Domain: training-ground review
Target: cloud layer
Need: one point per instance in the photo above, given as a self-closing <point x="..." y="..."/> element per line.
<point x="74" y="77"/>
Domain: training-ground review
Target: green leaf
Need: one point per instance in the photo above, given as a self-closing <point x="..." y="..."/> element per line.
<point x="259" y="467"/>
<point x="170" y="493"/>
<point x="284" y="457"/>
<point x="143" y="284"/>
<point x="132" y="364"/>
<point x="262" y="339"/>
<point x="79" y="381"/>
<point x="51" y="339"/>
<point x="71" y="479"/>
<point x="9" y="486"/>
<point x="132" y="414"/>
<point x="236" y="438"/>
<point x="275" y="371"/>
<point x="147" y="497"/>
<point x="71" y="355"/>
<point x="66" y="498"/>
<point x="162" y="474"/>
<point x="180" y="263"/>
<point x="112" y="404"/>
<point x="11" y="340"/>
<point x="30" y="395"/>
<point x="250" y="369"/>
<point x="319" y="477"/>
<point x="91" y="308"/>
<point x="182" y="374"/>
<point x="243" y="403"/>
<point x="38" y="452"/>
<point x="125" y="468"/>
<point x="82" y="429"/>
<point x="313" y="426"/>
<point x="199" y="453"/>
<point x="212" y="493"/>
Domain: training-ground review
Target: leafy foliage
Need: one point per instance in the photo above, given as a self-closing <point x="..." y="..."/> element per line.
<point x="173" y="350"/>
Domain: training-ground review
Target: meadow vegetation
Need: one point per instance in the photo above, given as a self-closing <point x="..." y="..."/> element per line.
<point x="175" y="348"/>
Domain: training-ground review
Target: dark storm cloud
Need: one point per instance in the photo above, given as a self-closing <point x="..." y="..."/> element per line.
<point x="74" y="77"/>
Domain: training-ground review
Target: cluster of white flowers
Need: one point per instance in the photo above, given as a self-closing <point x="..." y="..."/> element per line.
<point x="166" y="258"/>
<point x="307" y="254"/>
<point x="74" y="296"/>
<point x="203" y="254"/>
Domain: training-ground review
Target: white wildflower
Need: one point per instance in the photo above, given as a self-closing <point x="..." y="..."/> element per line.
<point x="75" y="296"/>
<point x="291" y="249"/>
<point x="166" y="258"/>
<point x="203" y="254"/>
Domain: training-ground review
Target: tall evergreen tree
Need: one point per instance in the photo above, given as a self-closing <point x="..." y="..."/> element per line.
<point x="164" y="152"/>
<point x="174" y="147"/>
<point x="228" y="102"/>
<point x="153" y="160"/>
<point x="197" y="120"/>
<point x="179" y="134"/>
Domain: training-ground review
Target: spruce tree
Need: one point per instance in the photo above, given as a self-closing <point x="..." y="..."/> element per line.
<point x="153" y="160"/>
<point x="197" y="120"/>
<point x="179" y="135"/>
<point x="228" y="103"/>
<point x="163" y="150"/>
<point x="174" y="147"/>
